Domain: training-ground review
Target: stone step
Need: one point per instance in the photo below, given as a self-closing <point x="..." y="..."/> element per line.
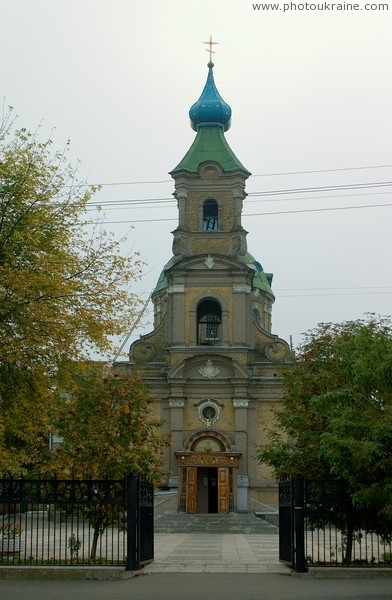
<point x="212" y="523"/>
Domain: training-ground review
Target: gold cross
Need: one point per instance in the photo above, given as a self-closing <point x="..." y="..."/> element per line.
<point x="210" y="50"/>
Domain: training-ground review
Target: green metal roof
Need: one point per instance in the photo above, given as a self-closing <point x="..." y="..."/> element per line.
<point x="162" y="282"/>
<point x="210" y="145"/>
<point x="261" y="280"/>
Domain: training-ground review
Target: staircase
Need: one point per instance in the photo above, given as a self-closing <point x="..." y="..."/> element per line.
<point x="212" y="523"/>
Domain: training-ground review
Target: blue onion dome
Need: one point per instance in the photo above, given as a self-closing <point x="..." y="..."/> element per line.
<point x="210" y="110"/>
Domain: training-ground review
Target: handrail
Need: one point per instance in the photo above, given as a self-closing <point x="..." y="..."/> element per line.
<point x="263" y="504"/>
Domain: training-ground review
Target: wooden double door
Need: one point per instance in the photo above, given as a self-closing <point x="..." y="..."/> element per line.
<point x="207" y="489"/>
<point x="207" y="481"/>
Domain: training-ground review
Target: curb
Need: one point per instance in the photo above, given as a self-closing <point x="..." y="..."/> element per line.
<point x="66" y="573"/>
<point x="344" y="573"/>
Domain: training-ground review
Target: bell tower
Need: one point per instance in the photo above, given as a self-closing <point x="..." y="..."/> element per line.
<point x="211" y="361"/>
<point x="210" y="183"/>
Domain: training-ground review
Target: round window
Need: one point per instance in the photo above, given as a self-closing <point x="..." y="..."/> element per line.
<point x="209" y="413"/>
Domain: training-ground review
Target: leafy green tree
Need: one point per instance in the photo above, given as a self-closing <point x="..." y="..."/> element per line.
<point x="109" y="430"/>
<point x="335" y="423"/>
<point x="107" y="424"/>
<point x="64" y="288"/>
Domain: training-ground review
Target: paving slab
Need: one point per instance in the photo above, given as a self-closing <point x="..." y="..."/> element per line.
<point x="216" y="553"/>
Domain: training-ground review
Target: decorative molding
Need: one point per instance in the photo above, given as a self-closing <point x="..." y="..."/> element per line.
<point x="209" y="370"/>
<point x="142" y="352"/>
<point x="276" y="351"/>
<point x="176" y="289"/>
<point x="237" y="242"/>
<point x="239" y="193"/>
<point x="210" y="173"/>
<point x="241" y="288"/>
<point x="208" y="459"/>
<point x="226" y="442"/>
<point x="180" y="193"/>
<point x="176" y="402"/>
<point x="179" y="246"/>
<point x="209" y="262"/>
<point x="240" y="402"/>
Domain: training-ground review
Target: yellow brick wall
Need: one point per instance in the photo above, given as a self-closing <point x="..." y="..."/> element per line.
<point x="156" y="409"/>
<point x="193" y="210"/>
<point x="192" y="421"/>
<point x="263" y="500"/>
<point x="212" y="245"/>
<point x="265" y="419"/>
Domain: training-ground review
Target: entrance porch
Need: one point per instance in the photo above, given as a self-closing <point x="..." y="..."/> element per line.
<point x="207" y="482"/>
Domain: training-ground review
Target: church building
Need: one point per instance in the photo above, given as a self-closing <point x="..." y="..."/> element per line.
<point x="211" y="363"/>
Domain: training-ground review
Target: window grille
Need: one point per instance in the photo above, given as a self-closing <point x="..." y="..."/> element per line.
<point x="209" y="322"/>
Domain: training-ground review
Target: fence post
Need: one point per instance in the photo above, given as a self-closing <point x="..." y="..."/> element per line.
<point x="131" y="499"/>
<point x="299" y="524"/>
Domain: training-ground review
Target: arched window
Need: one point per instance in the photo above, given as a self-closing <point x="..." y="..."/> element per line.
<point x="209" y="322"/>
<point x="207" y="444"/>
<point x="210" y="215"/>
<point x="256" y="316"/>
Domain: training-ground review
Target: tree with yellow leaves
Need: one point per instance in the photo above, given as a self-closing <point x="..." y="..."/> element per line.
<point x="64" y="289"/>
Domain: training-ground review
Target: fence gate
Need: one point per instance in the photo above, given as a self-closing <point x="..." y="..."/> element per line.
<point x="292" y="523"/>
<point x="140" y="523"/>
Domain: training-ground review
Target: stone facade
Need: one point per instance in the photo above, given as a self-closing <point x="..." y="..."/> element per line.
<point x="211" y="362"/>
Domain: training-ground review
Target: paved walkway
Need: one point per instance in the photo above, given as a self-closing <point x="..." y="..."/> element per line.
<point x="216" y="553"/>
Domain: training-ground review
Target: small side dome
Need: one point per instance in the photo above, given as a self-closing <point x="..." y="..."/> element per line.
<point x="210" y="110"/>
<point x="261" y="280"/>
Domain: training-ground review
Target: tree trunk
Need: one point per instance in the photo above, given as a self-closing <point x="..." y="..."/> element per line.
<point x="347" y="558"/>
<point x="94" y="545"/>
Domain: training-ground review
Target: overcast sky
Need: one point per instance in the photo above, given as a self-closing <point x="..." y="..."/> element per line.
<point x="309" y="91"/>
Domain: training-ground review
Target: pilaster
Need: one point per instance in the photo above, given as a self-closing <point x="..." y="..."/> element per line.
<point x="176" y="406"/>
<point x="241" y="428"/>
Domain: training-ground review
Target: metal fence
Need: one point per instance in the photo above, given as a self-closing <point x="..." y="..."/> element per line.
<point x="75" y="522"/>
<point x="328" y="547"/>
<point x="312" y="530"/>
<point x="335" y="543"/>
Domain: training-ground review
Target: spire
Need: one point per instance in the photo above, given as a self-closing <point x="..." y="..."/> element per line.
<point x="210" y="110"/>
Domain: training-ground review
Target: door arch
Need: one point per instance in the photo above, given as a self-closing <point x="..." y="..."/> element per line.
<point x="207" y="475"/>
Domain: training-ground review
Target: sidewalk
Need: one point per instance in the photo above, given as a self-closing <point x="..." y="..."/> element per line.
<point x="194" y="586"/>
<point x="216" y="553"/>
